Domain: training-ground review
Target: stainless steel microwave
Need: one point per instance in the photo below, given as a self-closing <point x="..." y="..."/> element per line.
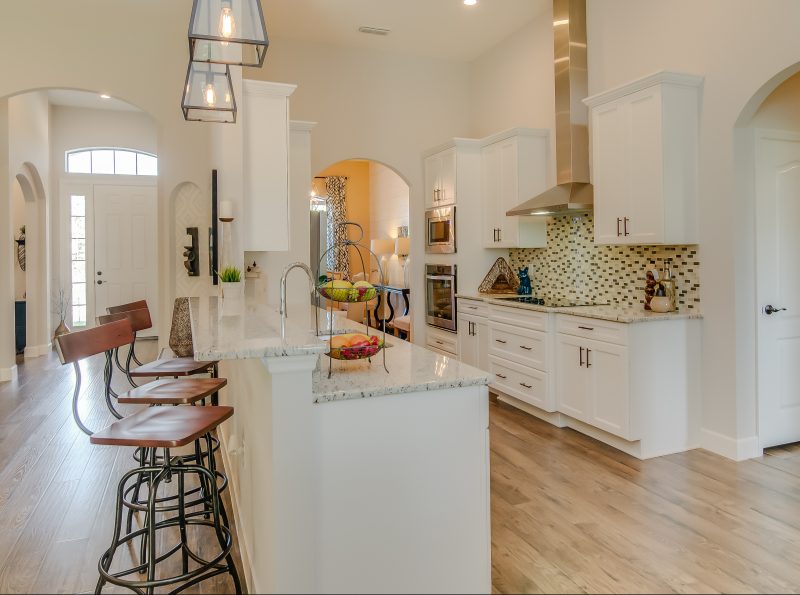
<point x="440" y="230"/>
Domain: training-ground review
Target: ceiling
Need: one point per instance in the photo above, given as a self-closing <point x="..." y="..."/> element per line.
<point x="85" y="99"/>
<point x="445" y="29"/>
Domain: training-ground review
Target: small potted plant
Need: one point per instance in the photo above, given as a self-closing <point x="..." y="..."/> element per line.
<point x="231" y="288"/>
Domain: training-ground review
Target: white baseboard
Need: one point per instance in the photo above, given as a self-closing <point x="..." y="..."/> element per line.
<point x="731" y="448"/>
<point x="8" y="374"/>
<point x="38" y="350"/>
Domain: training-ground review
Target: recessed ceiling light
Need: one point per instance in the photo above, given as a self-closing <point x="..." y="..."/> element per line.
<point x="104" y="96"/>
<point x="470" y="2"/>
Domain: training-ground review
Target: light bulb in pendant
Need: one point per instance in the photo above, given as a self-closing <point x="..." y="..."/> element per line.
<point x="227" y="24"/>
<point x="210" y="95"/>
<point x="227" y="97"/>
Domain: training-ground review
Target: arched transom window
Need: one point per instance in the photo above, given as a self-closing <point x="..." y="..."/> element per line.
<point x="113" y="161"/>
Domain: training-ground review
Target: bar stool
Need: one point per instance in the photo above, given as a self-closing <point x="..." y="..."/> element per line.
<point x="108" y="338"/>
<point x="167" y="428"/>
<point x="125" y="308"/>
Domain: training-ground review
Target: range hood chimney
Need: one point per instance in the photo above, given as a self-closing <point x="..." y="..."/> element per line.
<point x="574" y="193"/>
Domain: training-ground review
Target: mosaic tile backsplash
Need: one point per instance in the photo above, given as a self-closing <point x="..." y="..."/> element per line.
<point x="574" y="268"/>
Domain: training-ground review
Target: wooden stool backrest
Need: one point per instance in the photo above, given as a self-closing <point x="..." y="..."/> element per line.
<point x="140" y="319"/>
<point x="78" y="345"/>
<point x="140" y="305"/>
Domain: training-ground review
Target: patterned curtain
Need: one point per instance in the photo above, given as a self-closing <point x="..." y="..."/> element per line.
<point x="338" y="259"/>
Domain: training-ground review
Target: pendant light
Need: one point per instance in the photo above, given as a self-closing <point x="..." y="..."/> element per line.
<point x="208" y="93"/>
<point x="228" y="32"/>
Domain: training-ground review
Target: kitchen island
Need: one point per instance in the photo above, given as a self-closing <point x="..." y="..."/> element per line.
<point x="366" y="481"/>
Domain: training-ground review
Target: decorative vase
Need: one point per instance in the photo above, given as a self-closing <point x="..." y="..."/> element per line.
<point x="232" y="295"/>
<point x="661" y="304"/>
<point x="61" y="329"/>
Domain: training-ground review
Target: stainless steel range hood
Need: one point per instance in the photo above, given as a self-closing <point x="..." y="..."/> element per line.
<point x="574" y="193"/>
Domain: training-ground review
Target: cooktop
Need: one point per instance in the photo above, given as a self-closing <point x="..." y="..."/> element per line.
<point x="529" y="299"/>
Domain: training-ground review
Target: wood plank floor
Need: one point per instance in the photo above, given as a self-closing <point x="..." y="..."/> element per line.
<point x="57" y="491"/>
<point x="568" y="514"/>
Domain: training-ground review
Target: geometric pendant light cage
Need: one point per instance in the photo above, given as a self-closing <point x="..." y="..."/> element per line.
<point x="228" y="32"/>
<point x="208" y="93"/>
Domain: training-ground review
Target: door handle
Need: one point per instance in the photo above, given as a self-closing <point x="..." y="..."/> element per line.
<point x="99" y="281"/>
<point x="588" y="351"/>
<point x="619" y="222"/>
<point x="769" y="310"/>
<point x="500" y="235"/>
<point x="581" y="357"/>
<point x="625" y="226"/>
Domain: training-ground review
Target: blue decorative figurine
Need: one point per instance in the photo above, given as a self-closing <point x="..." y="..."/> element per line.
<point x="524" y="282"/>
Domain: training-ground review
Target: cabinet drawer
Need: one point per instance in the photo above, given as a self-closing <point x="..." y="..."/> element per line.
<point x="520" y="382"/>
<point x="592" y="328"/>
<point x="519" y="317"/>
<point x="442" y="341"/>
<point x="523" y="346"/>
<point x="473" y="307"/>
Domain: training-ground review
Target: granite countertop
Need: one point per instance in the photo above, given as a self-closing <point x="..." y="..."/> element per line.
<point x="255" y="331"/>
<point x="411" y="369"/>
<point x="613" y="313"/>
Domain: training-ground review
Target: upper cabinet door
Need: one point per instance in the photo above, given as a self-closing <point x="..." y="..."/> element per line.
<point x="610" y="138"/>
<point x="644" y="160"/>
<point x="447" y="177"/>
<point x="433" y="168"/>
<point x="509" y="192"/>
<point x="265" y="125"/>
<point x="490" y="195"/>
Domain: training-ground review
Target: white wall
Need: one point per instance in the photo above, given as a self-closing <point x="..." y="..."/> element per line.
<point x="137" y="52"/>
<point x="371" y="105"/>
<point x="389" y="205"/>
<point x="29" y="162"/>
<point x="780" y="109"/>
<point x="18" y="220"/>
<point x="739" y="46"/>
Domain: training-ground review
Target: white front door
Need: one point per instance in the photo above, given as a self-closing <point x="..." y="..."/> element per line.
<point x="778" y="286"/>
<point x="125" y="258"/>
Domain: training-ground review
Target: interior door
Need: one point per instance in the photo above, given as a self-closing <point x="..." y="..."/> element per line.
<point x="125" y="257"/>
<point x="778" y="287"/>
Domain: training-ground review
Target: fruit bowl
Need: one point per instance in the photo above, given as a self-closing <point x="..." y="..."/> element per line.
<point x="354" y="346"/>
<point x="343" y="293"/>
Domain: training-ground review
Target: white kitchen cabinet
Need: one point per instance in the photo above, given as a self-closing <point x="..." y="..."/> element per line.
<point x="440" y="179"/>
<point x="645" y="138"/>
<point x="572" y="385"/>
<point x="514" y="168"/>
<point x="473" y="344"/>
<point x="442" y="341"/>
<point x="264" y="114"/>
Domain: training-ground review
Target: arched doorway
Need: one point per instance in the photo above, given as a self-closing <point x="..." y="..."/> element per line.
<point x="376" y="197"/>
<point x="767" y="153"/>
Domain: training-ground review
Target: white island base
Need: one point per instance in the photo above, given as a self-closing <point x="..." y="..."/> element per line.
<point x="365" y="483"/>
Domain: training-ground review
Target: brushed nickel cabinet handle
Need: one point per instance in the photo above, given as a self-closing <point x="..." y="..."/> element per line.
<point x="619" y="222"/>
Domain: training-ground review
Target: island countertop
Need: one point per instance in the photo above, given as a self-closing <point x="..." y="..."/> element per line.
<point x="256" y="333"/>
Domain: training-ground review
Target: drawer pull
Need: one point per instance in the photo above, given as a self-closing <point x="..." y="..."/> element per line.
<point x="501" y="341"/>
<point x="438" y="342"/>
<point x="581" y="357"/>
<point x="525" y="385"/>
<point x="526" y="348"/>
<point x="588" y="351"/>
<point x="501" y="376"/>
<point x="586" y="328"/>
<point x="472" y="307"/>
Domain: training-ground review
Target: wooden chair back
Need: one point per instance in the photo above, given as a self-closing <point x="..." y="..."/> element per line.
<point x="140" y="305"/>
<point x="140" y="319"/>
<point x="78" y="345"/>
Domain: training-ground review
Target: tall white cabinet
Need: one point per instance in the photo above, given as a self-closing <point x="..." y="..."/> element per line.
<point x="645" y="138"/>
<point x="514" y="167"/>
<point x="264" y="115"/>
<point x="440" y="179"/>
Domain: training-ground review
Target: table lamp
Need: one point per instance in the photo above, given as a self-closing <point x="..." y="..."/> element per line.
<point x="402" y="247"/>
<point x="381" y="249"/>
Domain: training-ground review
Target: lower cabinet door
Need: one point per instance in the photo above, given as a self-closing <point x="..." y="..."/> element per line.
<point x="467" y="343"/>
<point x="481" y="329"/>
<point x="572" y="382"/>
<point x="608" y="373"/>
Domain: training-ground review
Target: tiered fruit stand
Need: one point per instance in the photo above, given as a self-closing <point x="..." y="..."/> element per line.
<point x="339" y="292"/>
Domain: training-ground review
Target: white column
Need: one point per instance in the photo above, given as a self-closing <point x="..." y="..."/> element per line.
<point x="7" y="344"/>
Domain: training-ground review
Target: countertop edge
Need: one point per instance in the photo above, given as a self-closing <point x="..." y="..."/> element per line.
<point x="350" y="395"/>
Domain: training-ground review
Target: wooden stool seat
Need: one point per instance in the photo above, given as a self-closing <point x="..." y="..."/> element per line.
<point x="163" y="427"/>
<point x="169" y="391"/>
<point x="176" y="366"/>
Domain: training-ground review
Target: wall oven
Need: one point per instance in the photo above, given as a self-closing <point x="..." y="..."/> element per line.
<point x="440" y="296"/>
<point x="440" y="234"/>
